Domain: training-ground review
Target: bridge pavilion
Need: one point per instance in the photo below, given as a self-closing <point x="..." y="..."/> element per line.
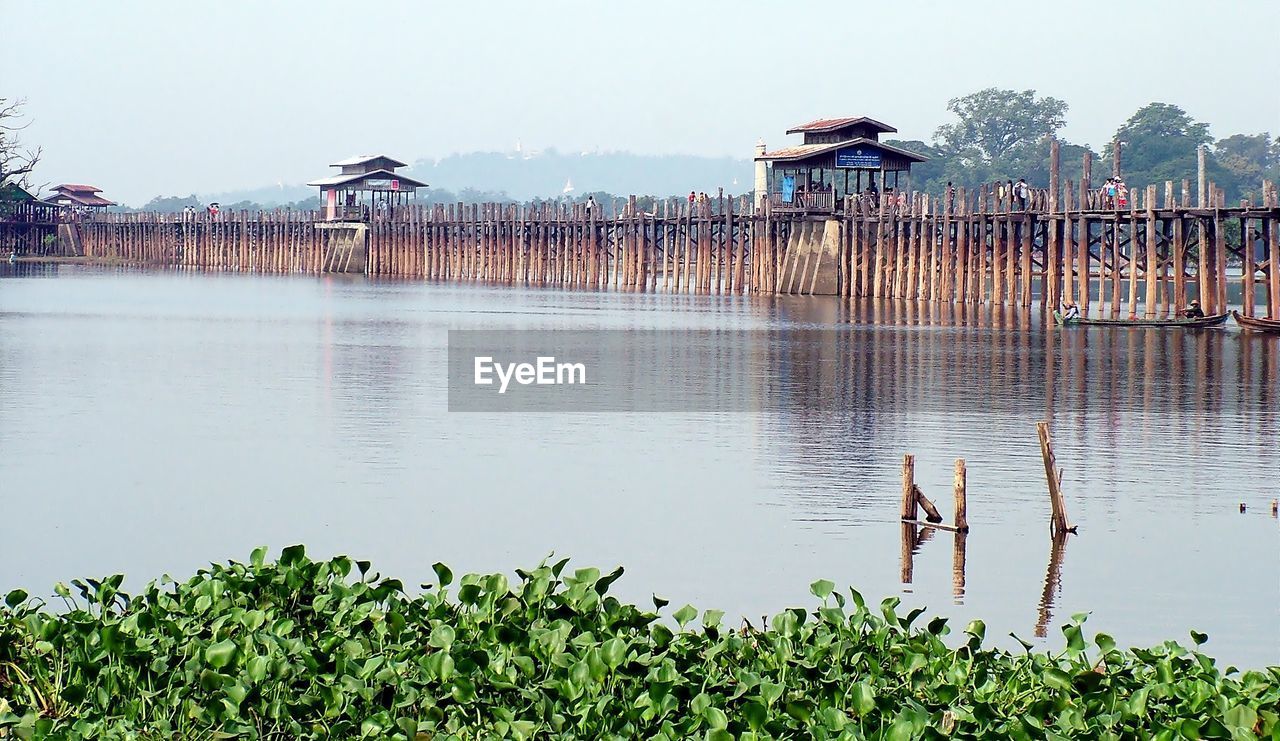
<point x="363" y="186"/>
<point x="838" y="157"/>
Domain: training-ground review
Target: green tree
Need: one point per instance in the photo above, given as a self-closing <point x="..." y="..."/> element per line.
<point x="1158" y="143"/>
<point x="991" y="123"/>
<point x="171" y="204"/>
<point x="1242" y="161"/>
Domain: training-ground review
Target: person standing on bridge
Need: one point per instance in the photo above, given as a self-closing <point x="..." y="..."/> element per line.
<point x="1022" y="192"/>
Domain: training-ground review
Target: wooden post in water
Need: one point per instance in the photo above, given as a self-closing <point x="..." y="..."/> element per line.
<point x="960" y="488"/>
<point x="1058" y="522"/>
<point x="1271" y="228"/>
<point x="1201" y="181"/>
<point x="1149" y="272"/>
<point x="909" y="487"/>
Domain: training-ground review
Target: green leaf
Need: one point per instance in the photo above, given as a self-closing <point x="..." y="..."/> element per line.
<point x="1057" y="679"/>
<point x="684" y="615"/>
<point x="822" y="588"/>
<point x="15" y="598"/>
<point x="442" y="636"/>
<point x="862" y="698"/>
<point x="1241" y="716"/>
<point x="1105" y="642"/>
<point x="716" y="718"/>
<point x="613" y="651"/>
<point x="73" y="694"/>
<point x="700" y="703"/>
<point x="220" y="654"/>
<point x="1199" y="638"/>
<point x="1075" y="637"/>
<point x="443" y="574"/>
<point x="463" y="690"/>
<point x="257" y="668"/>
<point x="978" y="630"/>
<point x="293" y="555"/>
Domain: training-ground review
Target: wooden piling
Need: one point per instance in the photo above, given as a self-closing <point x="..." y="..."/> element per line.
<point x="960" y="490"/>
<point x="909" y="487"/>
<point x="1058" y="520"/>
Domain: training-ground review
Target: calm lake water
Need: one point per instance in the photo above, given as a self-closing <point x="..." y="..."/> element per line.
<point x="153" y="422"/>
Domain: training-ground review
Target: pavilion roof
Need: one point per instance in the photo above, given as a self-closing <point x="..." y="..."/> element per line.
<point x="804" y="151"/>
<point x="831" y="124"/>
<point x="77" y="188"/>
<point x="79" y="198"/>
<point x="352" y="180"/>
<point x="364" y="158"/>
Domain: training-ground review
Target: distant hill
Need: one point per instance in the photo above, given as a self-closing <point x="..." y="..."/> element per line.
<point x="527" y="175"/>
<point x="523" y="176"/>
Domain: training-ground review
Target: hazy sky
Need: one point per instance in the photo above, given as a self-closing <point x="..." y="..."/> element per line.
<point x="147" y="98"/>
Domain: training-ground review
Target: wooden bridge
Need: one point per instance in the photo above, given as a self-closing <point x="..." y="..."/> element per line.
<point x="1149" y="259"/>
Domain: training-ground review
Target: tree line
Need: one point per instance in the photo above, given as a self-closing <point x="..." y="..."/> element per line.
<point x="995" y="135"/>
<point x="1002" y="135"/>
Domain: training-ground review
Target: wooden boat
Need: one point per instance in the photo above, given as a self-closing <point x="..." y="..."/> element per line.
<point x="1257" y="325"/>
<point x="1208" y="321"/>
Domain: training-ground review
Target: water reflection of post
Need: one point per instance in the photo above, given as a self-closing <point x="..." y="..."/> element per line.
<point x="958" y="566"/>
<point x="912" y="538"/>
<point x="1052" y="582"/>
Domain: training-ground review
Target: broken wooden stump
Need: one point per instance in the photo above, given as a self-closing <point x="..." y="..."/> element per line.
<point x="930" y="511"/>
<point x="1053" y="474"/>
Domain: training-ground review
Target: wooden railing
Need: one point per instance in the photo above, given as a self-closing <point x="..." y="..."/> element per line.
<point x="31" y="213"/>
<point x="804" y="202"/>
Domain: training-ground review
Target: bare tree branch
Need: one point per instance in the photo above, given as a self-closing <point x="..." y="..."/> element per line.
<point x="17" y="162"/>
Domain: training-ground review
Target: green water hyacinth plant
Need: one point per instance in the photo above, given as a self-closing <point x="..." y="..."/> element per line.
<point x="301" y="648"/>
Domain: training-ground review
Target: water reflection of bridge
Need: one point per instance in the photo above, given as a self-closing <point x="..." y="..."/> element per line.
<point x="1144" y="419"/>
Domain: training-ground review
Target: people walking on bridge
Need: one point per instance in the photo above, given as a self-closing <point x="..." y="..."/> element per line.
<point x="1109" y="194"/>
<point x="1122" y="194"/>
<point x="1022" y="192"/>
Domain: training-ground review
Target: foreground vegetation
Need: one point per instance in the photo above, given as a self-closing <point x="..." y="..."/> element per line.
<point x="303" y="648"/>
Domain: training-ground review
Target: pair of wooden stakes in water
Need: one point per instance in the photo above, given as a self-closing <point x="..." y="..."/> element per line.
<point x="1275" y="507"/>
<point x="913" y="500"/>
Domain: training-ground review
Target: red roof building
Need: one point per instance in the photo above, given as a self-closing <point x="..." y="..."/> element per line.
<point x="73" y="194"/>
